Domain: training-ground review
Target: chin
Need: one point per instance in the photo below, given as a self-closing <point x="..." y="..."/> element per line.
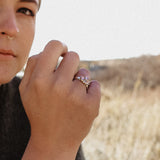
<point x="6" y="78"/>
<point x="7" y="73"/>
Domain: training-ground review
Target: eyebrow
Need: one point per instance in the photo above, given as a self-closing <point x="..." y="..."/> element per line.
<point x="32" y="1"/>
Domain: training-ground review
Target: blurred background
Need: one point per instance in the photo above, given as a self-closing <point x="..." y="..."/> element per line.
<point x="119" y="42"/>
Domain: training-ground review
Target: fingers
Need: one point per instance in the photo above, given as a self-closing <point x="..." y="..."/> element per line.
<point x="68" y="66"/>
<point x="94" y="92"/>
<point x="49" y="57"/>
<point x="77" y="83"/>
<point x="83" y="73"/>
<point x="89" y="96"/>
<point x="46" y="62"/>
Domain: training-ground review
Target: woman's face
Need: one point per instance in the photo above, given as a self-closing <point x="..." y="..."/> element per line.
<point x="17" y="28"/>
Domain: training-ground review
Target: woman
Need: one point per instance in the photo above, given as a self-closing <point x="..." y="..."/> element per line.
<point x="48" y="113"/>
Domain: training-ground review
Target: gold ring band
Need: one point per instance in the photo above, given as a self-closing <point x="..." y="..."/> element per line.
<point x="84" y="80"/>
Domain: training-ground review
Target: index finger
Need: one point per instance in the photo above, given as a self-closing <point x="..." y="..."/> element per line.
<point x="49" y="57"/>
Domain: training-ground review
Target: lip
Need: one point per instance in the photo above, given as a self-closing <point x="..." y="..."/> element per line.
<point x="5" y="52"/>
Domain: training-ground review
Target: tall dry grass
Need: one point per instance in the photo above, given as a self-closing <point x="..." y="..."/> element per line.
<point x="127" y="128"/>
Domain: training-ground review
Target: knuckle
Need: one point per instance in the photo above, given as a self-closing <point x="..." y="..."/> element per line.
<point x="32" y="60"/>
<point x="95" y="89"/>
<point x="38" y="83"/>
<point x="57" y="44"/>
<point x="96" y="84"/>
<point x="84" y="71"/>
<point x="74" y="56"/>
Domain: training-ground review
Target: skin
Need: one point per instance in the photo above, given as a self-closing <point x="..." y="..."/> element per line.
<point x="60" y="109"/>
<point x="14" y="23"/>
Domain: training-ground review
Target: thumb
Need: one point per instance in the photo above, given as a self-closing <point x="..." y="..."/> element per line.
<point x="28" y="71"/>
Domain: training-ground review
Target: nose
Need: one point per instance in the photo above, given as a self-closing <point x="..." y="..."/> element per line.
<point x="8" y="23"/>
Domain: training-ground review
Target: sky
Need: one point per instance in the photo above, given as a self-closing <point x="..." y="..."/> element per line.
<point x="100" y="29"/>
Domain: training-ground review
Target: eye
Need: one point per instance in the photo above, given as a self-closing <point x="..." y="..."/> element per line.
<point x="26" y="11"/>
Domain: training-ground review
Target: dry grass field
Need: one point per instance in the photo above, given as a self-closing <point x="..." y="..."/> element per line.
<point x="128" y="125"/>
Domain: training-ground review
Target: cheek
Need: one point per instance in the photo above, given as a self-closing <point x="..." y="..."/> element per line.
<point x="25" y="42"/>
<point x="28" y="36"/>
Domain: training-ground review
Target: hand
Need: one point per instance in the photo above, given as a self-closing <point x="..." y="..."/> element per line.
<point x="60" y="109"/>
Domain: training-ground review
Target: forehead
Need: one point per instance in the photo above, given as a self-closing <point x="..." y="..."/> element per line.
<point x="33" y="1"/>
<point x="37" y="2"/>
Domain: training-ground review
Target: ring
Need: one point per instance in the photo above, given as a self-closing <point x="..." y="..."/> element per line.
<point x="83" y="80"/>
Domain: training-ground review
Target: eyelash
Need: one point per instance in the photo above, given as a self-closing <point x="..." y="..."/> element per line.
<point x="25" y="10"/>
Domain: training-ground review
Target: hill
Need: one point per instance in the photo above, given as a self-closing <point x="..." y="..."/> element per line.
<point x="128" y="74"/>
